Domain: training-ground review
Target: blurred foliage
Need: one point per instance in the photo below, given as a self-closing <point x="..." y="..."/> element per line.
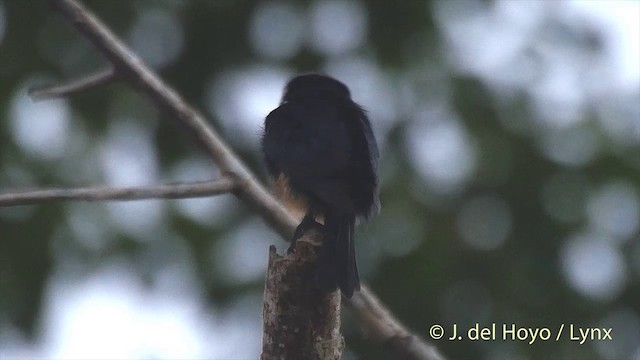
<point x="414" y="254"/>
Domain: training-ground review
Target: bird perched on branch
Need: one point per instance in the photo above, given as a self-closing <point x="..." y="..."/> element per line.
<point x="320" y="149"/>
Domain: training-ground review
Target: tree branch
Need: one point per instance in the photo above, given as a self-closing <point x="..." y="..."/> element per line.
<point x="86" y="83"/>
<point x="382" y="327"/>
<point x="169" y="191"/>
<point x="130" y="68"/>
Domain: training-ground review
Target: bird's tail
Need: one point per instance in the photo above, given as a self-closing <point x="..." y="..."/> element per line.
<point x="337" y="262"/>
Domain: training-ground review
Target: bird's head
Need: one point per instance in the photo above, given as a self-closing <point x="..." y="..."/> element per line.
<point x="316" y="86"/>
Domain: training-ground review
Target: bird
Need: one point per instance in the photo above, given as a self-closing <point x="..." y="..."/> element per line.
<point x="320" y="149"/>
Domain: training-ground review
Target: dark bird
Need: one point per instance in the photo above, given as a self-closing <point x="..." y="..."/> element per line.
<point x="320" y="149"/>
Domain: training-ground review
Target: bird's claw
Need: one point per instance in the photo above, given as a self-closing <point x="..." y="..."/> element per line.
<point x="307" y="223"/>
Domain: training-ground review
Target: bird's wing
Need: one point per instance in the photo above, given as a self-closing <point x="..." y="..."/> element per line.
<point x="364" y="163"/>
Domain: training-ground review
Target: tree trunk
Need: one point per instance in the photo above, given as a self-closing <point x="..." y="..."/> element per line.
<point x="300" y="322"/>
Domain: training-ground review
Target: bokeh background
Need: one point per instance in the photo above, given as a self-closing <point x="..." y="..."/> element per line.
<point x="510" y="141"/>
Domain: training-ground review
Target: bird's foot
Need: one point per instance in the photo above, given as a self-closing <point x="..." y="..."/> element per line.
<point x="307" y="223"/>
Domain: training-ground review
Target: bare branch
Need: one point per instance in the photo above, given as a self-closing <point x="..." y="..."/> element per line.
<point x="169" y="191"/>
<point x="86" y="83"/>
<point x="130" y="68"/>
<point x="382" y="327"/>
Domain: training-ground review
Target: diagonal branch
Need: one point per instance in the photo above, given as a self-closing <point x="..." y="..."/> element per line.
<point x="89" y="82"/>
<point x="130" y="68"/>
<point x="382" y="327"/>
<point x="169" y="191"/>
